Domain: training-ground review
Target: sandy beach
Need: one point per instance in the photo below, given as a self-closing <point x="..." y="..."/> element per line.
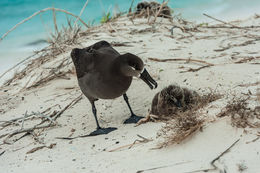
<point x="43" y="103"/>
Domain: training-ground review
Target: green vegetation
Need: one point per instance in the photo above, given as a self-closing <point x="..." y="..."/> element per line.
<point x="105" y="18"/>
<point x="203" y="24"/>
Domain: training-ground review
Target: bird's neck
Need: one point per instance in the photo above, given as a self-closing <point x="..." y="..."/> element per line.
<point x="122" y="67"/>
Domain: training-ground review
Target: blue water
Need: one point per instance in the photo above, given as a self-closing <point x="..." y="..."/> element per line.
<point x="16" y="45"/>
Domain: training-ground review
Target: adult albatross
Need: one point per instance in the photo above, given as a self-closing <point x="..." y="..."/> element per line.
<point x="105" y="74"/>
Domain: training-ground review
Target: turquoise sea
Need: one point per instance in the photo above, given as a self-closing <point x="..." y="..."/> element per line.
<point x="28" y="37"/>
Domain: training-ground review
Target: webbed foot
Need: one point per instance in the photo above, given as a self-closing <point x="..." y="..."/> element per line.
<point x="102" y="131"/>
<point x="133" y="119"/>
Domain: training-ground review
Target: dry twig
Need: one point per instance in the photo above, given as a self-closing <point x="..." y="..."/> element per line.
<point x="160" y="9"/>
<point x="196" y="69"/>
<point x="216" y="159"/>
<point x="83" y="8"/>
<point x="222" y="21"/>
<point x="244" y="60"/>
<point x="53" y="117"/>
<point x="179" y="59"/>
<point x="160" y="167"/>
<point x="137" y="141"/>
<point x="41" y="11"/>
<point x="40" y="147"/>
<point x="241" y="115"/>
<point x="2" y="153"/>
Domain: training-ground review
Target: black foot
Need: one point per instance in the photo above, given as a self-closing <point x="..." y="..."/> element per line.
<point x="132" y="119"/>
<point x="102" y="131"/>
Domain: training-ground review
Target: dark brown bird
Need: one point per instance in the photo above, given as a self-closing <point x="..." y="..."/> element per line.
<point x="105" y="74"/>
<point x="169" y="101"/>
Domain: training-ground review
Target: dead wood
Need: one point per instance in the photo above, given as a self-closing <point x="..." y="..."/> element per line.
<point x="216" y="159"/>
<point x="25" y="130"/>
<point x="196" y="69"/>
<point x="241" y="115"/>
<point x="25" y="117"/>
<point x="223" y="21"/>
<point x="81" y="11"/>
<point x="228" y="27"/>
<point x="73" y="102"/>
<point x="222" y="154"/>
<point x="250" y="84"/>
<point x="137" y="141"/>
<point x="16" y="65"/>
<point x="35" y="149"/>
<point x="40" y="147"/>
<point x="41" y="11"/>
<point x="181" y="121"/>
<point x="254" y="140"/>
<point x="160" y="167"/>
<point x="124" y="146"/>
<point x="163" y="5"/>
<point x="247" y="59"/>
<point x="130" y="8"/>
<point x="179" y="59"/>
<point x="51" y="118"/>
<point x="49" y="78"/>
<point x="245" y="43"/>
<point x="2" y="153"/>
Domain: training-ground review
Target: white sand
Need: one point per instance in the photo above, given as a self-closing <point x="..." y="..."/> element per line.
<point x="92" y="154"/>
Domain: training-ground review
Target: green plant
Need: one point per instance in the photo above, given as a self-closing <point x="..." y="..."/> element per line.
<point x="203" y="24"/>
<point x="105" y="18"/>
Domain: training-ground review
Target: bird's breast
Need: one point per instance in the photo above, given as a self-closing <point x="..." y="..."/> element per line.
<point x="102" y="87"/>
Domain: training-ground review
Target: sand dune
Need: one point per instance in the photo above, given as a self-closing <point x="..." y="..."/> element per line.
<point x="226" y="58"/>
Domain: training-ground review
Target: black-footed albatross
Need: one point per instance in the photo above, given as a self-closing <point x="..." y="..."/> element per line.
<point x="105" y="74"/>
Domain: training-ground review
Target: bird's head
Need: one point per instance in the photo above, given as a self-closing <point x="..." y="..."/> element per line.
<point x="131" y="65"/>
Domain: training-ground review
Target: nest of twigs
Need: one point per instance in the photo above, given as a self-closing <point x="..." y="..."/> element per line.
<point x="179" y="108"/>
<point x="242" y="116"/>
<point x="173" y="100"/>
<point x="180" y="128"/>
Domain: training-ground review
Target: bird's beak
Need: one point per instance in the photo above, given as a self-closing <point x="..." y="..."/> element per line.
<point x="178" y="103"/>
<point x="145" y="76"/>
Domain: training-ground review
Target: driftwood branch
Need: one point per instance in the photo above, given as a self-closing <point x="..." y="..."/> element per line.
<point x="41" y="11"/>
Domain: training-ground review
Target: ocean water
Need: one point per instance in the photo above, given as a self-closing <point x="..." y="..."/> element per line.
<point x="29" y="36"/>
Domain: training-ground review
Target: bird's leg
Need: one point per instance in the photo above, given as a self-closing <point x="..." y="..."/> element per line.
<point x="99" y="131"/>
<point x="133" y="118"/>
<point x="94" y="110"/>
